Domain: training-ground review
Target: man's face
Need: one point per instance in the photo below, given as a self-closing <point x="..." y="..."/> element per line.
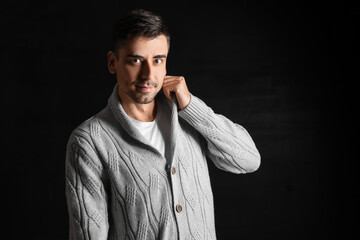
<point x="140" y="68"/>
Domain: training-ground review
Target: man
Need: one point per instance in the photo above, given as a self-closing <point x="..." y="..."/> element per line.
<point x="138" y="168"/>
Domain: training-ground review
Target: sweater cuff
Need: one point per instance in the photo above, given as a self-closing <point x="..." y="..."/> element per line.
<point x="195" y="112"/>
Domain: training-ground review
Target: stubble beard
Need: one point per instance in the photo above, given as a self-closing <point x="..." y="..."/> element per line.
<point x="144" y="97"/>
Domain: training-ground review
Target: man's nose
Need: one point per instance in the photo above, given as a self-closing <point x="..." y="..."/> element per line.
<point x="146" y="70"/>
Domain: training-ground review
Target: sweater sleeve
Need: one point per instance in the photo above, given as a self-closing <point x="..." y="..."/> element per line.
<point x="85" y="193"/>
<point x="229" y="145"/>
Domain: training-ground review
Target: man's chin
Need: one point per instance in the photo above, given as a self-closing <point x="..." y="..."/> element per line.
<point x="143" y="99"/>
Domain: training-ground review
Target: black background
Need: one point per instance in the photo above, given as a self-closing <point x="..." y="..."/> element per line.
<point x="287" y="75"/>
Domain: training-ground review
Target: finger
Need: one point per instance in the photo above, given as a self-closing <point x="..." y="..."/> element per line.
<point x="168" y="93"/>
<point x="174" y="79"/>
<point x="169" y="88"/>
<point x="174" y="84"/>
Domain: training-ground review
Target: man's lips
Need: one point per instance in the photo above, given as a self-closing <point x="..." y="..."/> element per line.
<point x="143" y="88"/>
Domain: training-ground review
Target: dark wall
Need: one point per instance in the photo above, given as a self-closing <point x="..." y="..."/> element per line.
<point x="285" y="75"/>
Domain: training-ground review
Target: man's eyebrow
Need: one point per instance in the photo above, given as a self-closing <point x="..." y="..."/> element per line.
<point x="138" y="56"/>
<point x="134" y="56"/>
<point x="160" y="56"/>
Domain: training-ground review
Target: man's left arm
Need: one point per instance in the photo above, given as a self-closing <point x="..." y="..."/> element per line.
<point x="229" y="145"/>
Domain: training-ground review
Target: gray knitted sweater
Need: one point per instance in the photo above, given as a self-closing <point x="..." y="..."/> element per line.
<point x="118" y="187"/>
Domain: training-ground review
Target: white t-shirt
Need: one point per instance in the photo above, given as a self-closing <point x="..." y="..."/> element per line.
<point x="156" y="133"/>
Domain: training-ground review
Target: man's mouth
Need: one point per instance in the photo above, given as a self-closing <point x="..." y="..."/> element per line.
<point x="144" y="88"/>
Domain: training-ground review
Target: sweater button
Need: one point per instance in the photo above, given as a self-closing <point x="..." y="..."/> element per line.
<point x="178" y="208"/>
<point x="173" y="170"/>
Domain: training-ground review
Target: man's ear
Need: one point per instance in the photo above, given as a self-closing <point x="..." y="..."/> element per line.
<point x="111" y="62"/>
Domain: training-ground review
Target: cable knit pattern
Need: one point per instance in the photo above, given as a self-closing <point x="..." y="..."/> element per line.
<point x="118" y="187"/>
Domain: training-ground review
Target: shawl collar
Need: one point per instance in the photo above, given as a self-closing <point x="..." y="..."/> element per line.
<point x="121" y="116"/>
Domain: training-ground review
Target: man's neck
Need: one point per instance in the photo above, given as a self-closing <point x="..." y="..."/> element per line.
<point x="139" y="112"/>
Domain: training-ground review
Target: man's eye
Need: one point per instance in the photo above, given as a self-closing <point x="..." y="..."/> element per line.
<point x="158" y="61"/>
<point x="134" y="60"/>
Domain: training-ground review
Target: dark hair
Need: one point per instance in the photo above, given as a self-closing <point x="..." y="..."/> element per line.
<point x="135" y="24"/>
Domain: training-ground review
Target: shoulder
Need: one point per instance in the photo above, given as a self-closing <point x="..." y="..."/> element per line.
<point x="87" y="131"/>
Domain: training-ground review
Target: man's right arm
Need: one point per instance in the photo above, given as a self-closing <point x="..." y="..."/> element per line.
<point x="85" y="192"/>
